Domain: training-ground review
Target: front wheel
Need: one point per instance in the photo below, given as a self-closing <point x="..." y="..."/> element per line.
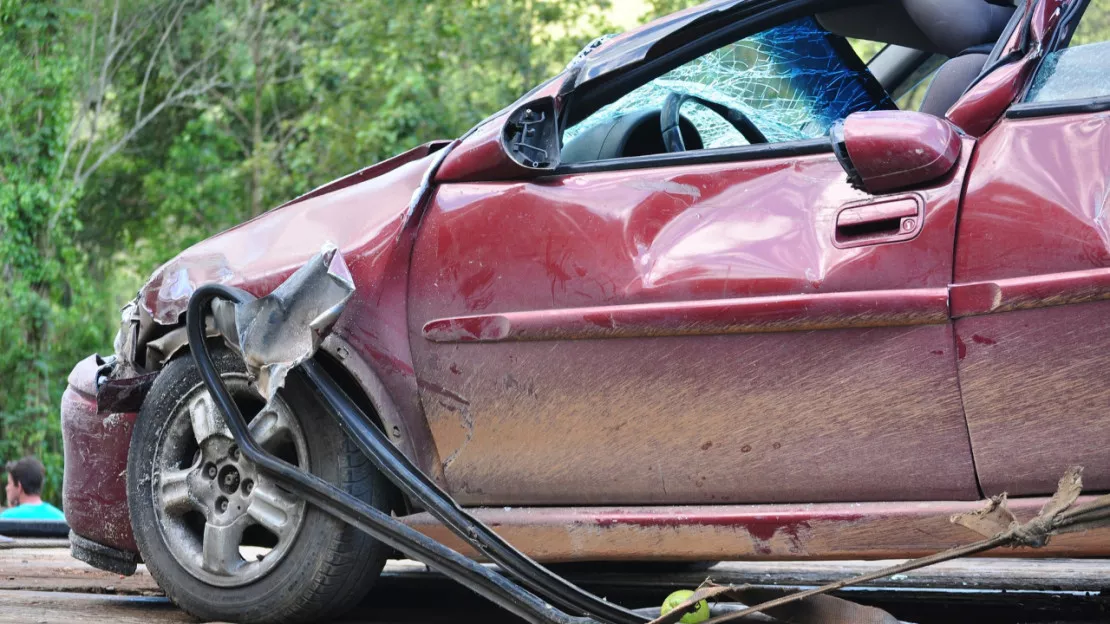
<point x="223" y="540"/>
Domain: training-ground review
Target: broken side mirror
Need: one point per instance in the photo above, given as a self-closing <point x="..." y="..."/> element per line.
<point x="530" y="136"/>
<point x="884" y="151"/>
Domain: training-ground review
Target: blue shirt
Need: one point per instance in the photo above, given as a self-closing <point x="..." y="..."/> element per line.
<point x="41" y="511"/>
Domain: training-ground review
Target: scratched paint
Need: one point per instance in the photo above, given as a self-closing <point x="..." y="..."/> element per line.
<point x="95" y="496"/>
<point x="625" y="255"/>
<point x="1035" y="394"/>
<point x="1031" y="278"/>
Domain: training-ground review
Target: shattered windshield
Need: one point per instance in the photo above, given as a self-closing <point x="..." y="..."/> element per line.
<point x="793" y="81"/>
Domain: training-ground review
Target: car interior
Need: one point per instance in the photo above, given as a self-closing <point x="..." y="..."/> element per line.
<point x="934" y="50"/>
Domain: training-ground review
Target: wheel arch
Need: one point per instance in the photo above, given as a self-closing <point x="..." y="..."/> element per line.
<point x="353" y="375"/>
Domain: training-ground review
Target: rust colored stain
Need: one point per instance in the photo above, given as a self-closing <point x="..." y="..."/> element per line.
<point x="983" y="340"/>
<point x="961" y="348"/>
<point x="738" y="532"/>
<point x="707" y="446"/>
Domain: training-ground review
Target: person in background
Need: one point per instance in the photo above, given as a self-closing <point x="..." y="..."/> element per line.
<point x="24" y="487"/>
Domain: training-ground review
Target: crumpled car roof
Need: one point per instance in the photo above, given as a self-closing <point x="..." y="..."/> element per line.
<point x="636" y="45"/>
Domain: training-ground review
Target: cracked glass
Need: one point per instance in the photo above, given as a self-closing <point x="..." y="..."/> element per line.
<point x="792" y="81"/>
<point x="1078" y="71"/>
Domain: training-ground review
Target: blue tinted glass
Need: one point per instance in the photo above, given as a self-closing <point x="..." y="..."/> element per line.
<point x="791" y="81"/>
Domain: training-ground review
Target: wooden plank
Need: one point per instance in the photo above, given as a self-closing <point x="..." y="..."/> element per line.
<point x="1082" y="575"/>
<point x="402" y="595"/>
<point x="52" y="607"/>
<point x="53" y="569"/>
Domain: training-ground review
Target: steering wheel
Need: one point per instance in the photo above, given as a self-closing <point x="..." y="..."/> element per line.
<point x="672" y="133"/>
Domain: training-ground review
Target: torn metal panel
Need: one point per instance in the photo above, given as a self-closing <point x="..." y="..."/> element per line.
<point x="366" y="215"/>
<point x="283" y="329"/>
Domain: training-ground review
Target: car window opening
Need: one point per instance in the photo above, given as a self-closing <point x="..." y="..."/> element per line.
<point x="795" y="80"/>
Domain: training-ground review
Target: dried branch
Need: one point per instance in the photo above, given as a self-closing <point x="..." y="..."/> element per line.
<point x="154" y="57"/>
<point x="190" y="82"/>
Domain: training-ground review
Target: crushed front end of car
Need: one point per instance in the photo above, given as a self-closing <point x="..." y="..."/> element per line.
<point x="365" y="213"/>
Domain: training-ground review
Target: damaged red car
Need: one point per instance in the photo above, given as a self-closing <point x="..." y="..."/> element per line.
<point x="719" y="290"/>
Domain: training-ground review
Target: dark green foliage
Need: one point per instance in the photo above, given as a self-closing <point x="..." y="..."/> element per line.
<point x="130" y="129"/>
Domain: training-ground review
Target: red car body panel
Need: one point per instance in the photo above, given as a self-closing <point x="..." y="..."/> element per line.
<point x="95" y="453"/>
<point x="748" y="315"/>
<point x="985" y="102"/>
<point x="371" y="223"/>
<point x="1032" y="266"/>
<point x="480" y="155"/>
<point x="675" y="414"/>
<point x="660" y="336"/>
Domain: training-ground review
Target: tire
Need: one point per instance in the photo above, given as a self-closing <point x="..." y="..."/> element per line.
<point x="319" y="566"/>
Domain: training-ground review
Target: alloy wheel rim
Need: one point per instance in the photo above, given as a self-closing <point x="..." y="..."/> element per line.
<point x="223" y="520"/>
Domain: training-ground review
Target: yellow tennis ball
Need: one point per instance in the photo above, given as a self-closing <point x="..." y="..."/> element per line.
<point x="696" y="616"/>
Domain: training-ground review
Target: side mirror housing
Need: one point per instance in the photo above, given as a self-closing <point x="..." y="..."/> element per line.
<point x="884" y="151"/>
<point x="520" y="144"/>
<point x="531" y="135"/>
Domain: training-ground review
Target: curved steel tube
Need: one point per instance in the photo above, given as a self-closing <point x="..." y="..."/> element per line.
<point x="346" y="507"/>
<point x="414" y="483"/>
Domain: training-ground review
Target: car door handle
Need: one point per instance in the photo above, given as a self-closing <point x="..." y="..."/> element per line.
<point x="874" y="222"/>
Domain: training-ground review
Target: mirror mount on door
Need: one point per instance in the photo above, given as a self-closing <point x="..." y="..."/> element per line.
<point x="531" y="135"/>
<point x="884" y="151"/>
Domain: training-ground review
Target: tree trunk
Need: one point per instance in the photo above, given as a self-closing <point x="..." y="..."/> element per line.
<point x="256" y="122"/>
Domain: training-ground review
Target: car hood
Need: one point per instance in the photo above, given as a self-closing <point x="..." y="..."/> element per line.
<point x="361" y="213"/>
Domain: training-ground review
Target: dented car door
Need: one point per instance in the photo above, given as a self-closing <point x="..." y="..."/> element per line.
<point x="697" y="306"/>
<point x="688" y="334"/>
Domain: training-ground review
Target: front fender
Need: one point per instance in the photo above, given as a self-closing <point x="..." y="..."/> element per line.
<point x="372" y="221"/>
